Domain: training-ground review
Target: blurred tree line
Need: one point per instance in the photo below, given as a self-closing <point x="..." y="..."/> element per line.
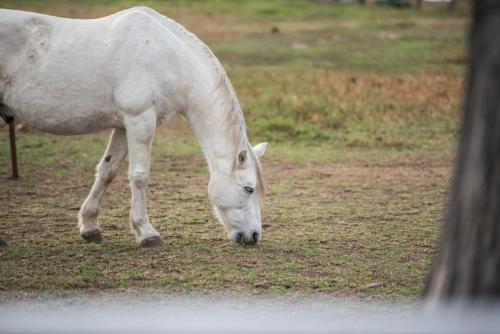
<point x="450" y="4"/>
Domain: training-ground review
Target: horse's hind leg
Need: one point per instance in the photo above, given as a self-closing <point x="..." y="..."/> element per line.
<point x="140" y="131"/>
<point x="106" y="171"/>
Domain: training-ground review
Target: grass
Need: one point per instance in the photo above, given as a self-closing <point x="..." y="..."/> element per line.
<point x="329" y="227"/>
<point x="360" y="106"/>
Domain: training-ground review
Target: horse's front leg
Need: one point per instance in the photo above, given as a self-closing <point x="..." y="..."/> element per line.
<point x="106" y="171"/>
<point x="140" y="132"/>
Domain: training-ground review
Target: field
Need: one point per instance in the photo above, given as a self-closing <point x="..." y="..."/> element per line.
<point x="360" y="106"/>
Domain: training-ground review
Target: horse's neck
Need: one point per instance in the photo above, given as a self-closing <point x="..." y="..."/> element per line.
<point x="218" y="145"/>
<point x="208" y="117"/>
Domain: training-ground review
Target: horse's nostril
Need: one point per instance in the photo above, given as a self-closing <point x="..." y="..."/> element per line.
<point x="255" y="237"/>
<point x="248" y="239"/>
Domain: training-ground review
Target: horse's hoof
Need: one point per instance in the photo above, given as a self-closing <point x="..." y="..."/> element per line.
<point x="3" y="243"/>
<point x="152" y="242"/>
<point x="94" y="236"/>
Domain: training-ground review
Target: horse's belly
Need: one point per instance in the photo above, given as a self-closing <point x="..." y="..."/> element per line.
<point x="59" y="111"/>
<point x="63" y="104"/>
<point x="64" y="122"/>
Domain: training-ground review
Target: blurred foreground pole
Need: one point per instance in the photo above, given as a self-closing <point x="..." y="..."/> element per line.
<point x="468" y="263"/>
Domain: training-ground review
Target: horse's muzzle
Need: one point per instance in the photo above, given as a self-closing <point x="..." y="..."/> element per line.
<point x="250" y="239"/>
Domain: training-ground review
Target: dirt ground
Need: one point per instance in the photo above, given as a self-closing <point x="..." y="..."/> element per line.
<point x="348" y="227"/>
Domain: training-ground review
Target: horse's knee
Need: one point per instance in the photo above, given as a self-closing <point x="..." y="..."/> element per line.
<point x="139" y="177"/>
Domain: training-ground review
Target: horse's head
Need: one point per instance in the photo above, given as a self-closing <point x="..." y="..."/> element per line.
<point x="235" y="196"/>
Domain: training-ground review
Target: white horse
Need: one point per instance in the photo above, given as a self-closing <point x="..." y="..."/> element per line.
<point x="131" y="71"/>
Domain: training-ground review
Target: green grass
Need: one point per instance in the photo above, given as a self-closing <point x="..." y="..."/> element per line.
<point x="261" y="10"/>
<point x="332" y="224"/>
<point x="360" y="106"/>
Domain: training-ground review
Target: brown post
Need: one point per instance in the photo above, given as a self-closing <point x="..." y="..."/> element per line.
<point x="13" y="152"/>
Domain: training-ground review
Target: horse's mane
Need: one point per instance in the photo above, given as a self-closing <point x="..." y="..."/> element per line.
<point x="235" y="125"/>
<point x="224" y="96"/>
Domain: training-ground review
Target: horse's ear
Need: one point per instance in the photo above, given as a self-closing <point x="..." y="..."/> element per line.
<point x="260" y="149"/>
<point x="242" y="157"/>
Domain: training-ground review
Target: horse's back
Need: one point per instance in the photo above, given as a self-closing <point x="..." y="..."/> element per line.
<point x="77" y="76"/>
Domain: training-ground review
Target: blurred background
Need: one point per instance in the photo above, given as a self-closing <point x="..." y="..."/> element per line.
<point x="360" y="102"/>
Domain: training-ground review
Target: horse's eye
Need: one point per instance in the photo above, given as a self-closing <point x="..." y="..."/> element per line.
<point x="248" y="190"/>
